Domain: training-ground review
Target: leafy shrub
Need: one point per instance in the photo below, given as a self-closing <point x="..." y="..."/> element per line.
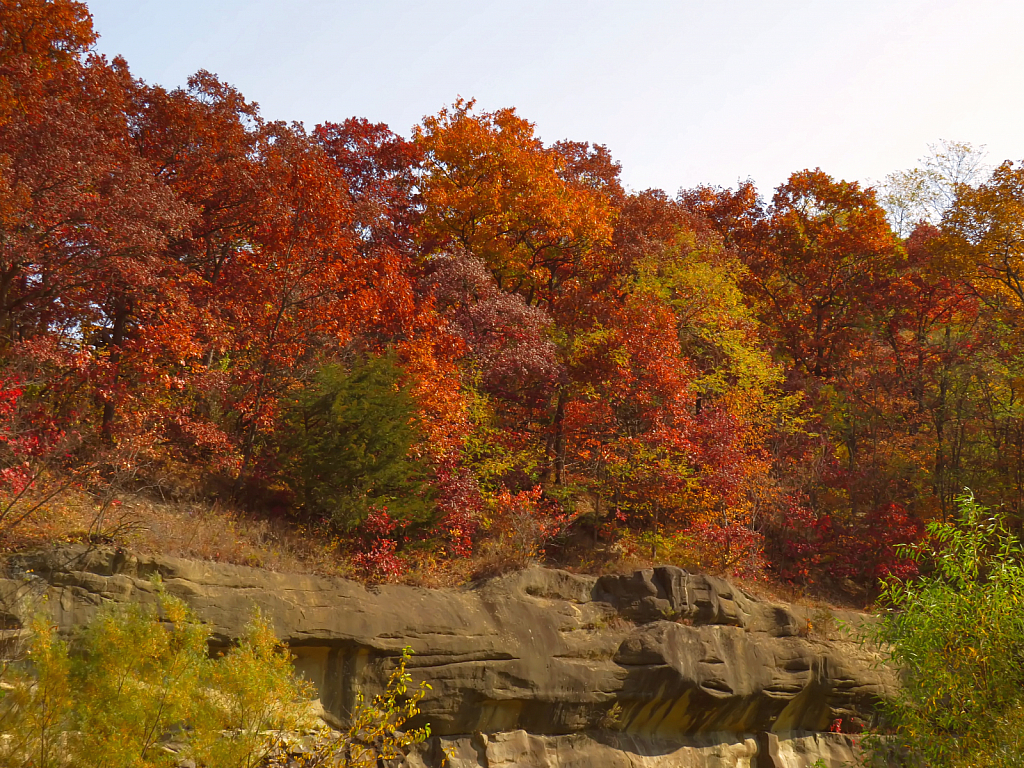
<point x="31" y="447"/>
<point x="805" y="545"/>
<point x="459" y="505"/>
<point x="377" y="558"/>
<point x="135" y="682"/>
<point x="253" y="689"/>
<point x="704" y="546"/>
<point x="376" y="733"/>
<point x="35" y="711"/>
<point x="136" y="677"/>
<point x="524" y="522"/>
<point x="957" y="634"/>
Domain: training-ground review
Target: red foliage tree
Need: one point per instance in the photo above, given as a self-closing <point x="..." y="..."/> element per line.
<point x="818" y="260"/>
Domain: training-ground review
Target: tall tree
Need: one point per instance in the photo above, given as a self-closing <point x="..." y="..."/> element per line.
<point x="923" y="194"/>
<point x="816" y="262"/>
<point x="492" y="188"/>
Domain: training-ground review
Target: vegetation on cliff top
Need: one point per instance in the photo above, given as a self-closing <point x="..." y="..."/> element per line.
<point x="457" y="351"/>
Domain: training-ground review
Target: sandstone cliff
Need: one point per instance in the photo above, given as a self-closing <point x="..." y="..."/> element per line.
<point x="538" y="668"/>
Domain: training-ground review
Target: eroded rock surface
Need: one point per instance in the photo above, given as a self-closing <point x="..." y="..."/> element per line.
<point x="538" y="668"/>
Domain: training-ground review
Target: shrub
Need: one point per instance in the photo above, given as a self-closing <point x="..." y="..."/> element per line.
<point x="808" y="546"/>
<point x="252" y="689"/>
<point x="957" y="634"/>
<point x="136" y="680"/>
<point x="137" y="676"/>
<point x="524" y="522"/>
<point x="35" y="710"/>
<point x="377" y="558"/>
<point x="377" y="731"/>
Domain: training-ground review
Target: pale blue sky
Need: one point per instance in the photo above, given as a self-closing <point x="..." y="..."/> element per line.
<point x="681" y="92"/>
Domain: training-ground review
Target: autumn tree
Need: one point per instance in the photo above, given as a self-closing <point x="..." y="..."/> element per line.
<point x="512" y="352"/>
<point x="382" y="172"/>
<point x="980" y="244"/>
<point x="380" y="168"/>
<point x="984" y="238"/>
<point x="680" y="395"/>
<point x="538" y="217"/>
<point x="923" y="194"/>
<point x="833" y="290"/>
<point x="629" y="431"/>
<point x="85" y="221"/>
<point x="39" y="40"/>
<point x="733" y="214"/>
<point x="492" y="188"/>
<point x="817" y="260"/>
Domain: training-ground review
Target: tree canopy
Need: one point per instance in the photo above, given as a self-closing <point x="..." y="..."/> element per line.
<point x="470" y="326"/>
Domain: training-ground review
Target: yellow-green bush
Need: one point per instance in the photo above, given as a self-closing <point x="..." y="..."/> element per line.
<point x="138" y="689"/>
<point x="375" y="732"/>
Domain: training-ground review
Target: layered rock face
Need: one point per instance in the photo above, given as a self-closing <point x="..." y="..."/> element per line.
<point x="538" y="668"/>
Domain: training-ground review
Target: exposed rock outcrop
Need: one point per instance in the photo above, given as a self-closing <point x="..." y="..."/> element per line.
<point x="538" y="668"/>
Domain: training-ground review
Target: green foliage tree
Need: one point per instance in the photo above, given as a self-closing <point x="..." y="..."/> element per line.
<point x="256" y="691"/>
<point x="35" y="710"/>
<point x="135" y="680"/>
<point x="957" y="634"/>
<point x="351" y="445"/>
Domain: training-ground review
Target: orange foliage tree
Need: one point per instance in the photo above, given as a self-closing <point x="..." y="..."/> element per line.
<point x="175" y="270"/>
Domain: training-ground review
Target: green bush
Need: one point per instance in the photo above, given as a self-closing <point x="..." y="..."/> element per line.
<point x="135" y="682"/>
<point x="957" y="635"/>
<point x="351" y="436"/>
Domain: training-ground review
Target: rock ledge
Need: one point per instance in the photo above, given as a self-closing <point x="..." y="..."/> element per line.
<point x="537" y="668"/>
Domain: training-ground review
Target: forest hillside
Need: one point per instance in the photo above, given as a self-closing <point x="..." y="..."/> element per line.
<point x="430" y="357"/>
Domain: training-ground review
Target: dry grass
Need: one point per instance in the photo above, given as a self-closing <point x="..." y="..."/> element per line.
<point x="426" y="569"/>
<point x="209" y="531"/>
<point x="225" y="533"/>
<point x="213" y="531"/>
<point x="40" y="521"/>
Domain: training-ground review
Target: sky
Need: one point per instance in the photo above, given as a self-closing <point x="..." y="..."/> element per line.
<point x="682" y="93"/>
